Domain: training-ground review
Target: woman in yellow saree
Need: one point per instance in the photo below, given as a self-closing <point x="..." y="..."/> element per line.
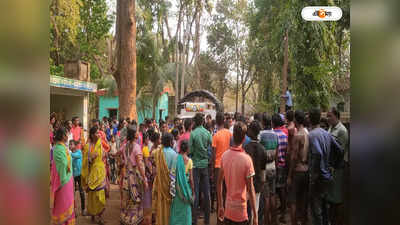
<point x="164" y="183"/>
<point x="94" y="176"/>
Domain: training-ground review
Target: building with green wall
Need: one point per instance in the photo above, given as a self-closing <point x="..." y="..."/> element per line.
<point x="108" y="106"/>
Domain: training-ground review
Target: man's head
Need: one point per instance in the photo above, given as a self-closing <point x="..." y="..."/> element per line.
<point x="290" y="116"/>
<point x="315" y="116"/>
<point x="239" y="133"/>
<point x="237" y="116"/>
<point x="277" y="120"/>
<point x="198" y="119"/>
<point x="299" y="118"/>
<point x="188" y="124"/>
<point x="132" y="133"/>
<point x="95" y="122"/>
<point x="208" y="118"/>
<point x="258" y="117"/>
<point x="175" y="133"/>
<point x="229" y="120"/>
<point x="254" y="130"/>
<point x="75" y="121"/>
<point x="220" y="119"/>
<point x="333" y="116"/>
<point x="163" y="126"/>
<point x="167" y="139"/>
<point x="324" y="123"/>
<point x="154" y="137"/>
<point x="176" y="121"/>
<point x="266" y="121"/>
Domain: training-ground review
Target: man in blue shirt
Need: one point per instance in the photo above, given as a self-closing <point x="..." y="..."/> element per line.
<point x="289" y="102"/>
<point x="325" y="155"/>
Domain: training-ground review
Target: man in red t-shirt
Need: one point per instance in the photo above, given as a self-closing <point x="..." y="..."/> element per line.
<point x="237" y="170"/>
<point x="77" y="133"/>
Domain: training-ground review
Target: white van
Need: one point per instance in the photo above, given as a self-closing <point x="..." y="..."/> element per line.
<point x="189" y="109"/>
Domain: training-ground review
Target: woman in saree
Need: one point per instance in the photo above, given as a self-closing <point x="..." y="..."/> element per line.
<point x="135" y="181"/>
<point x="181" y="212"/>
<point x="93" y="176"/>
<point x="62" y="182"/>
<point x="164" y="183"/>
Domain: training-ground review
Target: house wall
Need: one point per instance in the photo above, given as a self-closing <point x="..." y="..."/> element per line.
<point x="68" y="107"/>
<point x="106" y="103"/>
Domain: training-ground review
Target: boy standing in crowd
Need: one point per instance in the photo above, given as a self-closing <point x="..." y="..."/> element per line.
<point x="76" y="170"/>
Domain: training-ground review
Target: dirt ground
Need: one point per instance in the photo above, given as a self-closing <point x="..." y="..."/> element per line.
<point x="111" y="215"/>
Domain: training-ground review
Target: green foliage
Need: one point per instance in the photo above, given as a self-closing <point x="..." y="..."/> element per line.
<point x="93" y="29"/>
<point x="57" y="70"/>
<point x="313" y="50"/>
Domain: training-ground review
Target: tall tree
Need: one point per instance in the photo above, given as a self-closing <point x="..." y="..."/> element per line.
<point x="285" y="70"/>
<point x="125" y="74"/>
<point x="64" y="26"/>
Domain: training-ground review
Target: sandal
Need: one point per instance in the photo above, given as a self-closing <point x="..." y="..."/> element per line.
<point x="101" y="221"/>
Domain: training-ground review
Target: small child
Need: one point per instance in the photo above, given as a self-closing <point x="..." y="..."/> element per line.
<point x="76" y="155"/>
<point x="184" y="150"/>
<point x="112" y="155"/>
<point x="175" y="133"/>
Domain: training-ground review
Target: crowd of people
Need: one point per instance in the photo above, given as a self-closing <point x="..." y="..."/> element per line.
<point x="250" y="170"/>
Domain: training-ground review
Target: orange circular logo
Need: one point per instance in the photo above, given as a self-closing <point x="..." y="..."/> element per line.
<point x="321" y="13"/>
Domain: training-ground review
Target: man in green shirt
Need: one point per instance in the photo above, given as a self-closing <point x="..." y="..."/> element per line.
<point x="199" y="143"/>
<point x="336" y="193"/>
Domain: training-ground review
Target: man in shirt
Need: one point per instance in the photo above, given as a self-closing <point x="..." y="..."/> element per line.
<point x="199" y="142"/>
<point x="185" y="136"/>
<point x="237" y="171"/>
<point x="220" y="144"/>
<point x="335" y="196"/>
<point x="325" y="154"/>
<point x="77" y="133"/>
<point x="288" y="98"/>
<point x="282" y="169"/>
<point x="269" y="139"/>
<point x="256" y="152"/>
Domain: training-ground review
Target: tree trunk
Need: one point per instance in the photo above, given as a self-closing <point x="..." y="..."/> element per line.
<point x="177" y="72"/>
<point x="154" y="107"/>
<point x="237" y="80"/>
<point x="221" y="89"/>
<point x="243" y="99"/>
<point x="184" y="56"/>
<point x="125" y="74"/>
<point x="284" y="71"/>
<point x="197" y="43"/>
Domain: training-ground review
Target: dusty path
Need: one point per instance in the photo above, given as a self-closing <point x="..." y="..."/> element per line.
<point x="111" y="215"/>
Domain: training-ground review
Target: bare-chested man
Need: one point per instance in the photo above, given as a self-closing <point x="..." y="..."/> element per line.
<point x="297" y="178"/>
<point x="292" y="130"/>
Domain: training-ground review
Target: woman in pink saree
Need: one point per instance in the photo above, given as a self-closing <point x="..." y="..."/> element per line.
<point x="62" y="182"/>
